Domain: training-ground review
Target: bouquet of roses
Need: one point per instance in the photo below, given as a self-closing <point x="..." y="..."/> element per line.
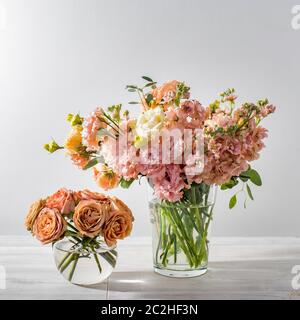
<point x="90" y="220"/>
<point x="181" y="147"/>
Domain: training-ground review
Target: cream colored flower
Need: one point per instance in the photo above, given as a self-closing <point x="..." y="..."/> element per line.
<point x="148" y="126"/>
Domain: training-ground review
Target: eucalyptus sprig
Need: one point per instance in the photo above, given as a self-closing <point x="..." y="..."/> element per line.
<point x="145" y="97"/>
<point x="245" y="177"/>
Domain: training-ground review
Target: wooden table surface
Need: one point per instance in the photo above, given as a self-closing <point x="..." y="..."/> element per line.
<point x="239" y="268"/>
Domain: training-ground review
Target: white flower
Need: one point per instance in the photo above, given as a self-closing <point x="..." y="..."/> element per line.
<point x="148" y="126"/>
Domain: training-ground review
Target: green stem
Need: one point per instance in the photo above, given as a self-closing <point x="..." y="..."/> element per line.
<point x="175" y="249"/>
<point x="181" y="240"/>
<point x="195" y="208"/>
<point x="109" y="258"/>
<point x="72" y="227"/>
<point x="97" y="262"/>
<point x="73" y="266"/>
<point x="158" y="244"/>
<point x="63" y="260"/>
<point x="189" y="239"/>
<point x="66" y="264"/>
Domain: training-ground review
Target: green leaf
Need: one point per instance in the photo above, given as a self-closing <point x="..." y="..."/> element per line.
<point x="244" y="178"/>
<point x="52" y="146"/>
<point x="255" y="177"/>
<point x="232" y="201"/>
<point x="150" y="84"/>
<point x="131" y="87"/>
<point x="126" y="183"/>
<point x="149" y="98"/>
<point x="92" y="163"/>
<point x="229" y="184"/>
<point x="133" y="102"/>
<point x="75" y="119"/>
<point x="132" y="90"/>
<point x="249" y="192"/>
<point x="245" y="204"/>
<point x="147" y="79"/>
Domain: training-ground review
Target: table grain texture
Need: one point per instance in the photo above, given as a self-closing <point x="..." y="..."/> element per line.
<point x="239" y="268"/>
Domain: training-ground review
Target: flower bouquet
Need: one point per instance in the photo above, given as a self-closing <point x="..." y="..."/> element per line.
<point x="83" y="228"/>
<point x="184" y="149"/>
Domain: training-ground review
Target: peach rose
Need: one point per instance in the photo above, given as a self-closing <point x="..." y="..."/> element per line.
<point x="89" y="217"/>
<point x="79" y="160"/>
<point x="119" y="224"/>
<point x="49" y="225"/>
<point x="89" y="195"/>
<point x="62" y="200"/>
<point x="33" y="212"/>
<point x="105" y="177"/>
<point x="166" y="91"/>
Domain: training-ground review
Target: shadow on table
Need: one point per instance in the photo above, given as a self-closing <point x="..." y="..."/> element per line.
<point x="224" y="280"/>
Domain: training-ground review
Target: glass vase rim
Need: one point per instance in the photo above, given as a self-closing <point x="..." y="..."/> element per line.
<point x="103" y="247"/>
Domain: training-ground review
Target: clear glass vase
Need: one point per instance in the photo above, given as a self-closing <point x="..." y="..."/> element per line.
<point x="180" y="232"/>
<point x="84" y="264"/>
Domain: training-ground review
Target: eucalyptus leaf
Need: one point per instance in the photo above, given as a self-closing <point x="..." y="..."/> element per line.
<point x="249" y="192"/>
<point x="232" y="201"/>
<point x="147" y="78"/>
<point x="243" y="178"/>
<point x="229" y="184"/>
<point x="126" y="183"/>
<point x="131" y="87"/>
<point x="150" y="84"/>
<point x="255" y="177"/>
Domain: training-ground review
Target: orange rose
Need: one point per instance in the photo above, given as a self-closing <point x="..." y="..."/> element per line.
<point x="168" y="89"/>
<point x="89" y="217"/>
<point x="49" y="225"/>
<point x="73" y="142"/>
<point x="89" y="195"/>
<point x="62" y="200"/>
<point x="79" y="160"/>
<point x="105" y="177"/>
<point x="119" y="224"/>
<point x="33" y="212"/>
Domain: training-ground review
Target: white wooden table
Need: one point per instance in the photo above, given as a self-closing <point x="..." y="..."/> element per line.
<point x="239" y="268"/>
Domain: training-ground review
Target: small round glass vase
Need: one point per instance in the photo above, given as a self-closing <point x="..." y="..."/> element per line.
<point x="84" y="265"/>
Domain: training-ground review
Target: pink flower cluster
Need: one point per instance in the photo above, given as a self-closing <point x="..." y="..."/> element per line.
<point x="131" y="148"/>
<point x="231" y="140"/>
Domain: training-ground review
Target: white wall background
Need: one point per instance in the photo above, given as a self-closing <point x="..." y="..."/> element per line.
<point x="61" y="56"/>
